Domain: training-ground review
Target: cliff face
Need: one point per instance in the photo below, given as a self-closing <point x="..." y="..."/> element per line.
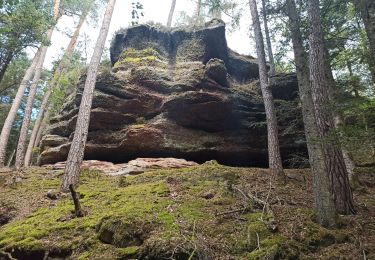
<point x="179" y="93"/>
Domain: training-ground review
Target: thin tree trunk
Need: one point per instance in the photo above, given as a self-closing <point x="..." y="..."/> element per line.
<point x="366" y="9"/>
<point x="338" y="175"/>
<point x="198" y="9"/>
<point x="36" y="128"/>
<point x="29" y="106"/>
<point x="217" y="13"/>
<point x="20" y="154"/>
<point x="60" y="70"/>
<point x="11" y="158"/>
<point x="4" y="65"/>
<point x="41" y="129"/>
<point x="7" y="127"/>
<point x="324" y="207"/>
<point x="171" y="12"/>
<point x="268" y="40"/>
<point x="337" y="120"/>
<point x="78" y="212"/>
<point x="275" y="163"/>
<point x="76" y="152"/>
<point x="355" y="86"/>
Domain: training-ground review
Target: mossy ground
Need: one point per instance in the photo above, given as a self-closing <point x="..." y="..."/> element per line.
<point x="179" y="214"/>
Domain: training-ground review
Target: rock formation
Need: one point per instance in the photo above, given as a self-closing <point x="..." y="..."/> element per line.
<point x="175" y="93"/>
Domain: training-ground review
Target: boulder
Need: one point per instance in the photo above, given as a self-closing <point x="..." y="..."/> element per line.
<point x="133" y="167"/>
<point x="215" y="69"/>
<point x="177" y="93"/>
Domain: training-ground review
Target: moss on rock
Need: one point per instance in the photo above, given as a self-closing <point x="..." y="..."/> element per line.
<point x="131" y="58"/>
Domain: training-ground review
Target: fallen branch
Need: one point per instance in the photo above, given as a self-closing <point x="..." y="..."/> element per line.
<point x="46" y="255"/>
<point x="270" y="222"/>
<point x="77" y="204"/>
<point x="6" y="255"/>
<point x="231" y="211"/>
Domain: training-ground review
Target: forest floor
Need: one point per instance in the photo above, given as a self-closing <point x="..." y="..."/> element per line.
<point x="208" y="211"/>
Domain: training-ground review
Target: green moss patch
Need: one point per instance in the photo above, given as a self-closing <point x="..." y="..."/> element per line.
<point x="131" y="58"/>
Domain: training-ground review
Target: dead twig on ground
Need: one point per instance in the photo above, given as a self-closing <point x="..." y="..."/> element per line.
<point x="231" y="211"/>
<point x="6" y="255"/>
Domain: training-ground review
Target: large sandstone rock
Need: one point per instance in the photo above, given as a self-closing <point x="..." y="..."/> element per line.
<point x="176" y="93"/>
<point x="136" y="166"/>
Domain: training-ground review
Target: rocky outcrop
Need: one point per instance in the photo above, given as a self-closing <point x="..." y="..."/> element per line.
<point x="133" y="167"/>
<point x="175" y="93"/>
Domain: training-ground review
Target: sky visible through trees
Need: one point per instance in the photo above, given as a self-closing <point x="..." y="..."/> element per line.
<point x="236" y="41"/>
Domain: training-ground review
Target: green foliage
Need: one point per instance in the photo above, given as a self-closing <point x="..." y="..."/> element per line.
<point x="211" y="9"/>
<point x="67" y="81"/>
<point x="82" y="7"/>
<point x="357" y="133"/>
<point x="14" y="74"/>
<point x="8" y="88"/>
<point x="348" y="47"/>
<point x="22" y="23"/>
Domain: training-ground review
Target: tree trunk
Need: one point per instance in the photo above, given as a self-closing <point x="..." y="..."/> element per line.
<point x="41" y="129"/>
<point x="76" y="152"/>
<point x="4" y="64"/>
<point x="7" y="127"/>
<point x="60" y="70"/>
<point x="337" y="118"/>
<point x="324" y="207"/>
<point x="78" y="212"/>
<point x="217" y="13"/>
<point x="198" y="9"/>
<point x="29" y="106"/>
<point x="355" y="85"/>
<point x="11" y="158"/>
<point x="268" y="40"/>
<point x="366" y="9"/>
<point x="171" y="12"/>
<point x="275" y="163"/>
<point x="338" y="175"/>
<point x="20" y="154"/>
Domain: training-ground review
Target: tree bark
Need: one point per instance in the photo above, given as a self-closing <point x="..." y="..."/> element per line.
<point x="76" y="152"/>
<point x="275" y="163"/>
<point x="338" y="175"/>
<point x="324" y="207"/>
<point x="268" y="40"/>
<point x="366" y="8"/>
<point x="60" y="70"/>
<point x="7" y="127"/>
<point x="171" y="12"/>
